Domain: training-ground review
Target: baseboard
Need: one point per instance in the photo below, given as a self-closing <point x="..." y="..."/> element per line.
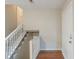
<point x="64" y="54"/>
<point x="50" y="49"/>
<point x="37" y="54"/>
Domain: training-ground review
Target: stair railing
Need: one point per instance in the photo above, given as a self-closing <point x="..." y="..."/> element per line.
<point x="12" y="41"/>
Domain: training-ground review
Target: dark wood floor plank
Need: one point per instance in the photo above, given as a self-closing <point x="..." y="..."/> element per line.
<point x="56" y="54"/>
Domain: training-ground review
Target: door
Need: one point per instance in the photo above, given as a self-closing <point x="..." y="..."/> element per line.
<point x="68" y="31"/>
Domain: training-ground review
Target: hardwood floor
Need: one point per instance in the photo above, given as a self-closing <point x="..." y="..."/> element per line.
<point x="56" y="54"/>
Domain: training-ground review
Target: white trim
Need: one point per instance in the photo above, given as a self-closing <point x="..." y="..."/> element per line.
<point x="50" y="49"/>
<point x="65" y="57"/>
<point x="30" y="44"/>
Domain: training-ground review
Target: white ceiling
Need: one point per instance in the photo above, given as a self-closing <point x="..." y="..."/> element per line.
<point x="38" y="3"/>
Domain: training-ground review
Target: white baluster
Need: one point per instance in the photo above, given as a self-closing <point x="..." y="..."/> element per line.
<point x="12" y="39"/>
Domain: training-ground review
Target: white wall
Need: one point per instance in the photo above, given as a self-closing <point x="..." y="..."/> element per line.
<point x="10" y="19"/>
<point x="19" y="15"/>
<point x="13" y="18"/>
<point x="68" y="30"/>
<point x="48" y="22"/>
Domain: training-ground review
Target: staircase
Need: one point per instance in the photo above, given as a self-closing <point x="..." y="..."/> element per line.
<point x="21" y="44"/>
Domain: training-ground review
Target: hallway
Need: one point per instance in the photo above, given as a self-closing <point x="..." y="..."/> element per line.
<point x="57" y="54"/>
<point x="39" y="29"/>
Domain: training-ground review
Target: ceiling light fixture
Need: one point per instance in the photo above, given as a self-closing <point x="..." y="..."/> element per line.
<point x="31" y="0"/>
